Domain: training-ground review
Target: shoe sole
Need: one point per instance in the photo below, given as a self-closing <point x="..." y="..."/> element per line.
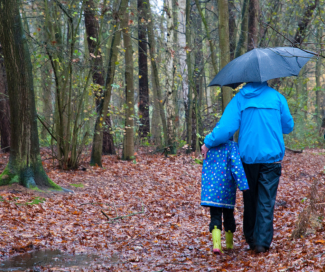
<point x="217" y="251"/>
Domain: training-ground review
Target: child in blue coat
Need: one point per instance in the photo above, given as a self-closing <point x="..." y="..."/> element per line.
<point x="222" y="172"/>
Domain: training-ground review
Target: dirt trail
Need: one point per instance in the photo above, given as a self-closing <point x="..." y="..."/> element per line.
<point x="172" y="232"/>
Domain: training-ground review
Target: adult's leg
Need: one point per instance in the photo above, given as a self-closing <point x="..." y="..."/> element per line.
<point x="250" y="202"/>
<point x="267" y="188"/>
<point x="229" y="220"/>
<point x="216" y="218"/>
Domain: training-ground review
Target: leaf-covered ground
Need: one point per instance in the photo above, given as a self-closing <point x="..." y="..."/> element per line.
<point x="167" y="229"/>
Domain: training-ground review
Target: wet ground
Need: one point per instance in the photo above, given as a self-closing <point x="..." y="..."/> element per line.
<point x="54" y="259"/>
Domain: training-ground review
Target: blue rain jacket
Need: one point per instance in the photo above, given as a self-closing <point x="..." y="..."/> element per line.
<point x="222" y="172"/>
<point x="263" y="115"/>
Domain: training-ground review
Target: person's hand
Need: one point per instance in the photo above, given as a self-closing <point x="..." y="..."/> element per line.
<point x="204" y="151"/>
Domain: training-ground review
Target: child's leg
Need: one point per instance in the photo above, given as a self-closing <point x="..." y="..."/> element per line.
<point x="229" y="220"/>
<point x="230" y="226"/>
<point x="215" y="228"/>
<point x="216" y="218"/>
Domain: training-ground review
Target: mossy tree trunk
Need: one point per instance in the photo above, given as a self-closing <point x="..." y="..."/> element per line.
<point x="128" y="148"/>
<point x="25" y="165"/>
<point x="4" y="107"/>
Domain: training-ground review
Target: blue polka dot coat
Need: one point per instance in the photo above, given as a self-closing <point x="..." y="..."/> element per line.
<point x="222" y="172"/>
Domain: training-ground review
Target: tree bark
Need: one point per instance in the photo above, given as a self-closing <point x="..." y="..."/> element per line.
<point x="253" y="31"/>
<point x="189" y="72"/>
<point x="242" y="42"/>
<point x="128" y="148"/>
<point x="4" y="107"/>
<point x="25" y="165"/>
<point x="232" y="28"/>
<point x="182" y="47"/>
<point x="318" y="74"/>
<point x="224" y="47"/>
<point x="304" y="22"/>
<point x="207" y="31"/>
<point x="170" y="71"/>
<point x="93" y="40"/>
<point x="96" y="154"/>
<point x="144" y="128"/>
<point x="152" y="44"/>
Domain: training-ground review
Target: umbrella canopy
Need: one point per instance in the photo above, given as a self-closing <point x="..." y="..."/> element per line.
<point x="260" y="65"/>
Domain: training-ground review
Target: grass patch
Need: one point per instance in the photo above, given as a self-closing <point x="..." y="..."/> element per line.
<point x="37" y="200"/>
<point x="1" y="198"/>
<point x="77" y="185"/>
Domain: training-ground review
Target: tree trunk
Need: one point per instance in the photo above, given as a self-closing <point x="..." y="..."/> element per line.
<point x="128" y="148"/>
<point x="144" y="128"/>
<point x="4" y="107"/>
<point x="242" y="42"/>
<point x="25" y="165"/>
<point x="182" y="47"/>
<point x="170" y="71"/>
<point x="47" y="101"/>
<point x="152" y="44"/>
<point x="93" y="41"/>
<point x="207" y="32"/>
<point x="189" y="72"/>
<point x="224" y="47"/>
<point x="253" y="31"/>
<point x="232" y="28"/>
<point x="318" y="74"/>
<point x="96" y="154"/>
<point x="304" y="22"/>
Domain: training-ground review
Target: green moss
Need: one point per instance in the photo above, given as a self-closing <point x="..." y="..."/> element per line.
<point x="53" y="185"/>
<point x="77" y="185"/>
<point x="7" y="177"/>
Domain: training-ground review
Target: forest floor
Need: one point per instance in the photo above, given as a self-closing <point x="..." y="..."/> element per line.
<point x="165" y="228"/>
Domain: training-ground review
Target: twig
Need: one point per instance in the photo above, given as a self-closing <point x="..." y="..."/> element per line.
<point x="94" y="203"/>
<point x="46" y="128"/>
<point x="294" y="151"/>
<point x="105" y="214"/>
<point x="110" y="220"/>
<point x="115" y="209"/>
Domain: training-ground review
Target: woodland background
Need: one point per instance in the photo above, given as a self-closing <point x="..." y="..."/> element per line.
<point x="142" y="69"/>
<point x="94" y="93"/>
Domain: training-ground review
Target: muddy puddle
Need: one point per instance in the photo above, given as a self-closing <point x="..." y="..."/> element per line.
<point x="46" y="259"/>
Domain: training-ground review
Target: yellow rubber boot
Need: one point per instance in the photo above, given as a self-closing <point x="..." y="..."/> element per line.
<point x="229" y="240"/>
<point x="216" y="239"/>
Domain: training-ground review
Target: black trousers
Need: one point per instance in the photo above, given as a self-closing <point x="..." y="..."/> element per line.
<point x="263" y="180"/>
<point x="228" y="219"/>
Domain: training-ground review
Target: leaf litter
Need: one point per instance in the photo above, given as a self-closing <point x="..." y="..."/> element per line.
<point x="147" y="217"/>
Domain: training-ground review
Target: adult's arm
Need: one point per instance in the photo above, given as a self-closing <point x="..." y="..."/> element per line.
<point x="227" y="126"/>
<point x="286" y="118"/>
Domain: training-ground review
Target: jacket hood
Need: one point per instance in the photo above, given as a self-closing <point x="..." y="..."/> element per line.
<point x="253" y="89"/>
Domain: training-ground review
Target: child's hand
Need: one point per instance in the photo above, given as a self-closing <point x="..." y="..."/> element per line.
<point x="204" y="151"/>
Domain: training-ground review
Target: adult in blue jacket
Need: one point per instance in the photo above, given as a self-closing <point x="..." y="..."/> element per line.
<point x="263" y="116"/>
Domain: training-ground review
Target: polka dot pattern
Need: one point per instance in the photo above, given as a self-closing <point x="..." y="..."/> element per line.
<point x="222" y="172"/>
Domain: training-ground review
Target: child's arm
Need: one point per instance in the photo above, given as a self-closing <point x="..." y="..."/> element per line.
<point x="237" y="169"/>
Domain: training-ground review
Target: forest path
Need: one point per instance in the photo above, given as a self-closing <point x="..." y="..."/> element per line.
<point x="172" y="232"/>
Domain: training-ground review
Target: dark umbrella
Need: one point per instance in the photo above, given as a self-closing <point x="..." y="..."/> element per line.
<point x="259" y="65"/>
